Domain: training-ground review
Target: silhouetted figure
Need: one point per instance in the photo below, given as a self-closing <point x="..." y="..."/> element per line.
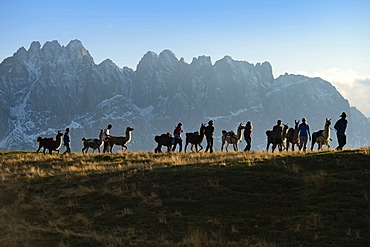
<point x="177" y="137"/>
<point x="277" y="132"/>
<point x="340" y="126"/>
<point x="105" y="137"/>
<point x="67" y="141"/>
<point x="304" y="134"/>
<point x="248" y="135"/>
<point x="209" y="136"/>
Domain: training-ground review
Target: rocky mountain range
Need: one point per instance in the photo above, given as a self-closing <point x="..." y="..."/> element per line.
<point x="48" y="88"/>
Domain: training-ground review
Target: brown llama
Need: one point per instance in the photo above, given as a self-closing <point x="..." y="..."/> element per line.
<point x="50" y="144"/>
<point x="232" y="138"/>
<point x="93" y="143"/>
<point x="270" y="137"/>
<point x="120" y="140"/>
<point x="163" y="140"/>
<point x="292" y="136"/>
<point x="322" y="137"/>
<point x="195" y="138"/>
<point x="42" y="141"/>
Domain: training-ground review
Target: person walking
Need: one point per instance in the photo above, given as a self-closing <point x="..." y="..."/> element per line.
<point x="209" y="136"/>
<point x="105" y="137"/>
<point x="277" y="132"/>
<point x="248" y="135"/>
<point x="304" y="134"/>
<point x="67" y="141"/>
<point x="177" y="137"/>
<point x="340" y="126"/>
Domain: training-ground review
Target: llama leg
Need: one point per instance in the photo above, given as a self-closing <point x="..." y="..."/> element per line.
<point x="201" y="148"/>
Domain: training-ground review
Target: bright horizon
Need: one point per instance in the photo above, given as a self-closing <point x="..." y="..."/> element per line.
<point x="328" y="39"/>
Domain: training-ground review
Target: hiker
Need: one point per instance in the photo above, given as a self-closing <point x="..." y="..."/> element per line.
<point x="105" y="137"/>
<point x="209" y="136"/>
<point x="277" y="133"/>
<point x="177" y="137"/>
<point x="304" y="134"/>
<point x="340" y="126"/>
<point x="248" y="135"/>
<point x="67" y="141"/>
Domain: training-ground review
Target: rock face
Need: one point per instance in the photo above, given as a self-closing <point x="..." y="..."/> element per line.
<point x="49" y="88"/>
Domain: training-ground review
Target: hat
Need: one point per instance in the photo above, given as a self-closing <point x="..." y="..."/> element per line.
<point x="210" y="122"/>
<point x="67" y="129"/>
<point x="109" y="126"/>
<point x="343" y="114"/>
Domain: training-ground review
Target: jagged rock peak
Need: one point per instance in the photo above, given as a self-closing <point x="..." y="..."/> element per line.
<point x="21" y="52"/>
<point x="150" y="54"/>
<point x="167" y="53"/>
<point x="35" y="46"/>
<point x="228" y="58"/>
<point x="107" y="62"/>
<point x="51" y="45"/>
<point x="266" y="70"/>
<point x="202" y="61"/>
<point x="77" y="46"/>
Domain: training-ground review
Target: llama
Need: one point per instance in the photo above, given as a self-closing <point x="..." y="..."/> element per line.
<point x="93" y="143"/>
<point x="163" y="140"/>
<point x="42" y="141"/>
<point x="322" y="137"/>
<point x="120" y="140"/>
<point x="292" y="136"/>
<point x="270" y="137"/>
<point x="50" y="144"/>
<point x="195" y="138"/>
<point x="231" y="138"/>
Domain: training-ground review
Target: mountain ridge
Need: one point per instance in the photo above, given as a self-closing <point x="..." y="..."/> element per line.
<point x="51" y="87"/>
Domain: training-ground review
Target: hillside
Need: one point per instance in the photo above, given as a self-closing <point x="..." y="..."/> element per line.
<point x="145" y="199"/>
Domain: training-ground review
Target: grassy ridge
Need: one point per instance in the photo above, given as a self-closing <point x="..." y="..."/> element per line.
<point x="144" y="199"/>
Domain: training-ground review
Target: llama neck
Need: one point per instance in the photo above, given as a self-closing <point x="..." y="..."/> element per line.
<point x="59" y="142"/>
<point x="239" y="134"/>
<point x="285" y="131"/>
<point x="128" y="135"/>
<point x="201" y="133"/>
<point x="326" y="132"/>
<point x="296" y="130"/>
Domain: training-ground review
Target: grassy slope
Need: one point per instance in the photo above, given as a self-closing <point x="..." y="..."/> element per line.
<point x="142" y="199"/>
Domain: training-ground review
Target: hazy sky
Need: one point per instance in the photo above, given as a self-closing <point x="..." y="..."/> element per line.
<point x="322" y="38"/>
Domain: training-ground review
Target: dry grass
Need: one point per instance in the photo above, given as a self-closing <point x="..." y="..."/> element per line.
<point x="192" y="199"/>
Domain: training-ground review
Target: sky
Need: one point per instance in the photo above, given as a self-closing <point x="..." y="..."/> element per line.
<point x="325" y="38"/>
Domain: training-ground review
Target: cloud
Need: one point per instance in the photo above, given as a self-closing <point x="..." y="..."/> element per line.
<point x="352" y="85"/>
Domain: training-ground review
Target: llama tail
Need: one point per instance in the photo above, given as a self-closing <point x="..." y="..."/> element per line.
<point x="83" y="139"/>
<point x="39" y="139"/>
